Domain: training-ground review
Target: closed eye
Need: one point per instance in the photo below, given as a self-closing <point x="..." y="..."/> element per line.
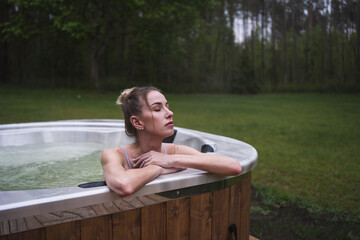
<point x="158" y="106"/>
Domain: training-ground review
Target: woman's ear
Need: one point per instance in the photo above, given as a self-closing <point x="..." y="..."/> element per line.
<point x="136" y="123"/>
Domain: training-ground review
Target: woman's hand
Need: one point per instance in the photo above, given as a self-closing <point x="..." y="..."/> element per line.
<point x="152" y="158"/>
<point x="155" y="158"/>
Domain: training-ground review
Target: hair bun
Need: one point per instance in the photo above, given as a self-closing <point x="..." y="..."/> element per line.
<point x="124" y="95"/>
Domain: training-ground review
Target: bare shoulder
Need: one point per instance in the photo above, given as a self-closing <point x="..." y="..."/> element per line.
<point x="181" y="149"/>
<point x="112" y="156"/>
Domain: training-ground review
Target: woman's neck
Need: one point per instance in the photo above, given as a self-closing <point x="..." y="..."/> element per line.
<point x="145" y="144"/>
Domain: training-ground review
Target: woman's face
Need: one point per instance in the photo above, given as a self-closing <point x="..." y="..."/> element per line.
<point x="158" y="119"/>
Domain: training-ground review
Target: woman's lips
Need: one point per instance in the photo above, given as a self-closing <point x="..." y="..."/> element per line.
<point x="171" y="124"/>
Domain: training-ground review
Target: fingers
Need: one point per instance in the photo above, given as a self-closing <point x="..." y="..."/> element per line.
<point x="143" y="162"/>
<point x="151" y="158"/>
<point x="139" y="161"/>
<point x="146" y="159"/>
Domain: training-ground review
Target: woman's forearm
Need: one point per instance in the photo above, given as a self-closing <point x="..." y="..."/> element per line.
<point x="132" y="180"/>
<point x="185" y="157"/>
<point x="208" y="162"/>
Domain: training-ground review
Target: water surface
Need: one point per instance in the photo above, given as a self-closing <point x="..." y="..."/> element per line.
<point x="49" y="165"/>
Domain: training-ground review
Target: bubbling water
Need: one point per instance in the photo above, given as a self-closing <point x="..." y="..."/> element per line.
<point x="49" y="165"/>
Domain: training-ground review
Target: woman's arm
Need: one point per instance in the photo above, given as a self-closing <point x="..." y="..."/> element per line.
<point x="187" y="157"/>
<point x="127" y="181"/>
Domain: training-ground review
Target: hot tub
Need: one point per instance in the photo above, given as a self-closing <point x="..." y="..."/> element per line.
<point x="191" y="204"/>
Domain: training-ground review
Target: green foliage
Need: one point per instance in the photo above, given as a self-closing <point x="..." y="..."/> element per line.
<point x="76" y="29"/>
<point x="81" y="18"/>
<point x="163" y="43"/>
<point x="23" y="23"/>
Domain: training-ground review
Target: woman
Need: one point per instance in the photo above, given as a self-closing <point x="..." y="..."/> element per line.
<point x="149" y="119"/>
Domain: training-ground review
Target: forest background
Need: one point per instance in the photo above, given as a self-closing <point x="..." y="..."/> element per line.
<point x="182" y="46"/>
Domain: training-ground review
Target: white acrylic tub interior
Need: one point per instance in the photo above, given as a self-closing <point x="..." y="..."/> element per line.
<point x="21" y="203"/>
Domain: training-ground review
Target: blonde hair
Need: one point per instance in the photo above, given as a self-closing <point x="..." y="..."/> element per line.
<point x="124" y="95"/>
<point x="131" y="101"/>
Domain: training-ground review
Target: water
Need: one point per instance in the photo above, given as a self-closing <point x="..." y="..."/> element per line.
<point x="49" y="165"/>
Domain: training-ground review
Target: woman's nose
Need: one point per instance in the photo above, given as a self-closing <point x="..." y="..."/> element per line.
<point x="169" y="113"/>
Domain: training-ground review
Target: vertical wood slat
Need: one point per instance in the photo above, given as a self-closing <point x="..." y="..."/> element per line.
<point x="178" y="219"/>
<point x="245" y="207"/>
<point x="96" y="228"/>
<point x="235" y="207"/>
<point x="38" y="234"/>
<point x="126" y="225"/>
<point x="4" y="228"/>
<point x="153" y="222"/>
<point x="220" y="214"/>
<point x="69" y="230"/>
<point x="200" y="216"/>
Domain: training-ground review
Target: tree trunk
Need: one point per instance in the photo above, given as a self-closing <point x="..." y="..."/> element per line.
<point x="52" y="72"/>
<point x="342" y="78"/>
<point x="21" y="55"/>
<point x="4" y="51"/>
<point x="253" y="37"/>
<point x="330" y="36"/>
<point x="273" y="50"/>
<point x="232" y="11"/>
<point x="245" y="16"/>
<point x="4" y="62"/>
<point x="295" y="76"/>
<point x="96" y="53"/>
<point x="94" y="74"/>
<point x="358" y="42"/>
<point x="285" y="49"/>
<point x="308" y="37"/>
<point x="21" y="61"/>
<point x="263" y="29"/>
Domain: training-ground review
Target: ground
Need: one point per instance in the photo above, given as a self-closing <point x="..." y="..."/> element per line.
<point x="293" y="222"/>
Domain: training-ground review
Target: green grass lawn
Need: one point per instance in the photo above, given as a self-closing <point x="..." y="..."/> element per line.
<point x="308" y="144"/>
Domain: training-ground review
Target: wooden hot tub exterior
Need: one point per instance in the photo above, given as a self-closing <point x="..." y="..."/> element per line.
<point x="200" y="212"/>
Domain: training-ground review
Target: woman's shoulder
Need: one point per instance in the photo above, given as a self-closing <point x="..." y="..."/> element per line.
<point x="169" y="148"/>
<point x="180" y="149"/>
<point x="111" y="150"/>
<point x="118" y="149"/>
<point x="113" y="155"/>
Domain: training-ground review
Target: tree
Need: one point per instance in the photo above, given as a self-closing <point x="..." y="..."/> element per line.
<point x="273" y="74"/>
<point x="91" y="20"/>
<point x="25" y="20"/>
<point x="4" y="50"/>
<point x="263" y="36"/>
<point x="117" y="44"/>
<point x="285" y="46"/>
<point x="358" y="42"/>
<point x="295" y="64"/>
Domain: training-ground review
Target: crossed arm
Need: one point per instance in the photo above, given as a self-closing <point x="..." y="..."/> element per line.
<point x="152" y="164"/>
<point x="187" y="157"/>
